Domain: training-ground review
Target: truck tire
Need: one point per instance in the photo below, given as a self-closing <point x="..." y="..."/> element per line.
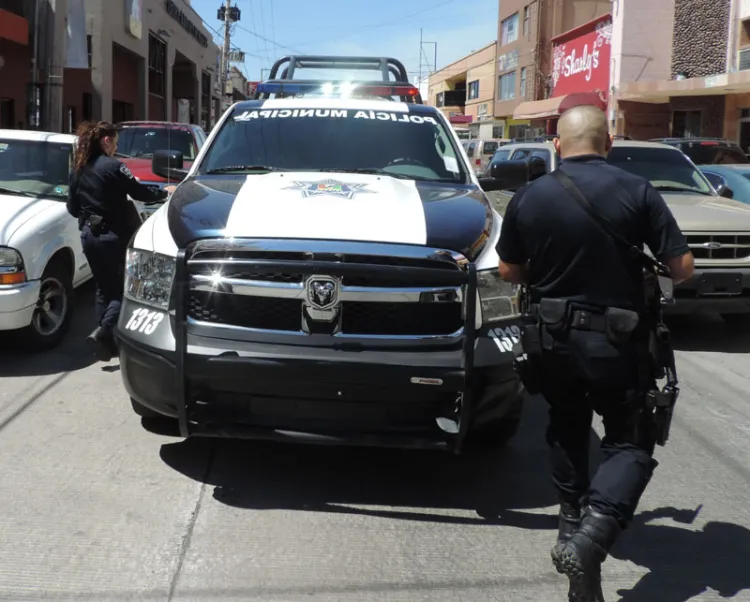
<point x="499" y="432"/>
<point x="739" y="321"/>
<point x="54" y="312"/>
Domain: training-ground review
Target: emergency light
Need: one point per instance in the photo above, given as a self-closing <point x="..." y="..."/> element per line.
<point x="340" y="89"/>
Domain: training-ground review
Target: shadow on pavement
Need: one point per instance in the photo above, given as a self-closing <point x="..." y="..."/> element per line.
<point x="397" y="484"/>
<point x="72" y="354"/>
<point x="682" y="562"/>
<point x="706" y="332"/>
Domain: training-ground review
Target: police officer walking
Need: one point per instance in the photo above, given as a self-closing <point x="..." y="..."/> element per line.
<point x="98" y="197"/>
<point x="591" y="328"/>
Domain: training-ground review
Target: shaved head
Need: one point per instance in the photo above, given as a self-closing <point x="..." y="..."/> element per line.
<point x="583" y="130"/>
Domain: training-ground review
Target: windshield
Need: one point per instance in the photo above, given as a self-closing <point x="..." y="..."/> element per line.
<point x="33" y="167"/>
<point x="396" y="143"/>
<point x="143" y="141"/>
<point x="667" y="170"/>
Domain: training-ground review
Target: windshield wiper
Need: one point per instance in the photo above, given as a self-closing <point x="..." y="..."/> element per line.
<point x="233" y="168"/>
<point x="18" y="192"/>
<point x="681" y="189"/>
<point x="380" y="172"/>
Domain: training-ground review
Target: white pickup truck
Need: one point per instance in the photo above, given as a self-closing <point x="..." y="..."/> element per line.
<point x="717" y="228"/>
<point x="41" y="259"/>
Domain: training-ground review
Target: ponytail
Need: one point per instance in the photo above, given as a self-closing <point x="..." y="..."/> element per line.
<point x="89" y="146"/>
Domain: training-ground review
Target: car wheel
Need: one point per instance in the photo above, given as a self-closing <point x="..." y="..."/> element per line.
<point x="499" y="432"/>
<point x="741" y="321"/>
<point x="54" y="310"/>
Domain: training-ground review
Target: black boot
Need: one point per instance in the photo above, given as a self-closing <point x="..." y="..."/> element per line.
<point x="101" y="343"/>
<point x="568" y="520"/>
<point x="580" y="557"/>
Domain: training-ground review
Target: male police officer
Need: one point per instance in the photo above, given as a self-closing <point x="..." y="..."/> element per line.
<point x="585" y="289"/>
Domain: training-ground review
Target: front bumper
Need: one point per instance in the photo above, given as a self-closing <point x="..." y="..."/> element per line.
<point x="224" y="382"/>
<point x="17" y="304"/>
<point x="719" y="290"/>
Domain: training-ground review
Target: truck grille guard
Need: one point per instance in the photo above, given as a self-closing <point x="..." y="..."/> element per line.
<point x="371" y="260"/>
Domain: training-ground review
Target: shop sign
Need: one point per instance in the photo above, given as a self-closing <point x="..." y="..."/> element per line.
<point x="507" y="61"/>
<point x="133" y="19"/>
<point x="176" y="13"/>
<point x="581" y="64"/>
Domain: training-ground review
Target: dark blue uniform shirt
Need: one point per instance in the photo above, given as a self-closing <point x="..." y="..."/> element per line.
<point x="102" y="188"/>
<point x="569" y="255"/>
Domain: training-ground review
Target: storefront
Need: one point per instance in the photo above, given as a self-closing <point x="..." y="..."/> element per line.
<point x="580" y="73"/>
<point x="148" y="59"/>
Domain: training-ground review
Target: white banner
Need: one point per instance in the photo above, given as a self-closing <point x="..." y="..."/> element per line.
<point x="76" y="49"/>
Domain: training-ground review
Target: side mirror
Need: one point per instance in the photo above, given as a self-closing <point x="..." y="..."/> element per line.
<point x="725" y="191"/>
<point x="507" y="175"/>
<point x="169" y="164"/>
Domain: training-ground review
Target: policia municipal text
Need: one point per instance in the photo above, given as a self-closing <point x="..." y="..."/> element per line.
<point x="575" y="239"/>
<point x="98" y="197"/>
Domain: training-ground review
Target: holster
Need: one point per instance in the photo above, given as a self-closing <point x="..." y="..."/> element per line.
<point x="96" y="224"/>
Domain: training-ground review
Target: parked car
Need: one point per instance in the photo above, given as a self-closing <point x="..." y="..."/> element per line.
<point x="41" y="259"/>
<point x="480" y="151"/>
<point x="717" y="228"/>
<point x="708" y="151"/>
<point x="138" y="140"/>
<point x="734" y="177"/>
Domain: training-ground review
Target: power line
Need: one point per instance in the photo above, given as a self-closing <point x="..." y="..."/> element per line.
<point x="260" y="37"/>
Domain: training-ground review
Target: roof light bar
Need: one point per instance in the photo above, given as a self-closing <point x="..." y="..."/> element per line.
<point x="338" y="89"/>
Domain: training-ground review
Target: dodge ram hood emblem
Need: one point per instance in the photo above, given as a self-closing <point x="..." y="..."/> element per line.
<point x="322" y="292"/>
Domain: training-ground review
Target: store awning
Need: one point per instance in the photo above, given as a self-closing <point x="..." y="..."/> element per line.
<point x="660" y="91"/>
<point x="554" y="107"/>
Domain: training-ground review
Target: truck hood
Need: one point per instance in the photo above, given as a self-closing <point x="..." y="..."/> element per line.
<point x="141" y="169"/>
<point x="15" y="211"/>
<point x="331" y="206"/>
<point x="708" y="213"/>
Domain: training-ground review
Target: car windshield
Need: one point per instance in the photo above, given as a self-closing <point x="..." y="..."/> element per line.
<point x="142" y="141"/>
<point x="34" y="167"/>
<point x="501" y="155"/>
<point x="402" y="144"/>
<point x="667" y="170"/>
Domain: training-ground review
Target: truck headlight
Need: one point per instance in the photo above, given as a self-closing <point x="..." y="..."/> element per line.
<point x="499" y="300"/>
<point x="11" y="266"/>
<point x="148" y="277"/>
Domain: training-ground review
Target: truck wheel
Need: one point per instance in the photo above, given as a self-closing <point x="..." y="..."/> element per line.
<point x="54" y="311"/>
<point x="740" y="321"/>
<point x="499" y="432"/>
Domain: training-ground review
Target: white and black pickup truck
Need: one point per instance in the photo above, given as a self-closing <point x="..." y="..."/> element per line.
<point x="326" y="272"/>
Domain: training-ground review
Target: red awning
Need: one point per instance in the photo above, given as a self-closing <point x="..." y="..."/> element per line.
<point x="554" y="107"/>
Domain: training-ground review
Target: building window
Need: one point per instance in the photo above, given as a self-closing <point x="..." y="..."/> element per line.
<point x="526" y="21"/>
<point x="686" y="124"/>
<point x="88" y="48"/>
<point x="507" y="86"/>
<point x="522" y="91"/>
<point x="473" y="90"/>
<point x="440" y="99"/>
<point x="510" y="29"/>
<point x="88" y="105"/>
<point x="157" y="66"/>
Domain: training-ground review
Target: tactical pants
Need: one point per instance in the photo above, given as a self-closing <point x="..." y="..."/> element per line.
<point x="105" y="254"/>
<point x="586" y="375"/>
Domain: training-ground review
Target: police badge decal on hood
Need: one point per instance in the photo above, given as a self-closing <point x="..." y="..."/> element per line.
<point x="317" y="205"/>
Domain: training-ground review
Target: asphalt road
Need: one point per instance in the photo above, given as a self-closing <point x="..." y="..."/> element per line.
<point x="96" y="508"/>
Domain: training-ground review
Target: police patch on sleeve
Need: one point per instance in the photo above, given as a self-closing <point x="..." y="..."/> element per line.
<point x="126" y="172"/>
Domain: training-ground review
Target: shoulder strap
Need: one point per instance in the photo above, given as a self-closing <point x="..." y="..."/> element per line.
<point x="605" y="225"/>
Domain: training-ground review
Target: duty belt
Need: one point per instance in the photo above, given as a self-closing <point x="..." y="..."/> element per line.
<point x="581" y="319"/>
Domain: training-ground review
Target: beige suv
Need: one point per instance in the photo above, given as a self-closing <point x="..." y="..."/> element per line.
<point x="717" y="228"/>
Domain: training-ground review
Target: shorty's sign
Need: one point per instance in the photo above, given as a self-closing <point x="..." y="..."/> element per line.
<point x="581" y="58"/>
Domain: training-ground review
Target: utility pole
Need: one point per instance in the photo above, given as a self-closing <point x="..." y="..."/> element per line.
<point x="225" y="51"/>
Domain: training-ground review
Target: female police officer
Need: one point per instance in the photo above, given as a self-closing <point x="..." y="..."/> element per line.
<point x="98" y="197"/>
